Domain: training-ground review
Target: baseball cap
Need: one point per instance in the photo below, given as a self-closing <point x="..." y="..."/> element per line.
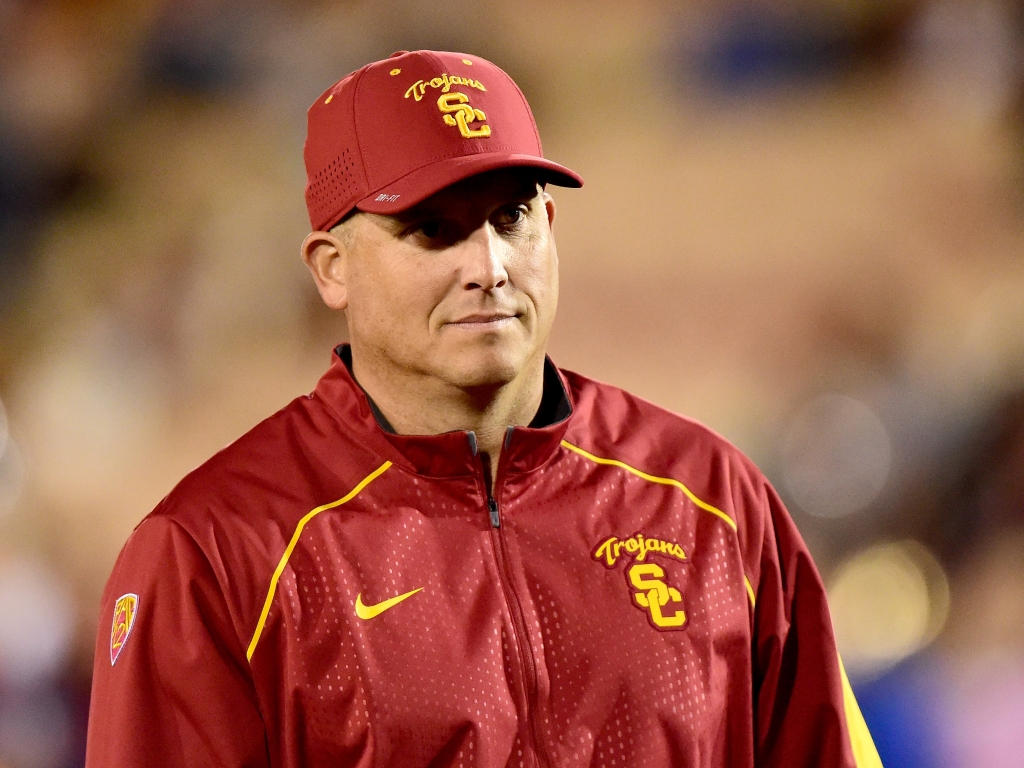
<point x="394" y="132"/>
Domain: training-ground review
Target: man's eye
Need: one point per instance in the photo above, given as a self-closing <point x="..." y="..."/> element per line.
<point x="430" y="229"/>
<point x="511" y="216"/>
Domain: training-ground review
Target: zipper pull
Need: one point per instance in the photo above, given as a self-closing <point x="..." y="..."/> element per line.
<point x="492" y="507"/>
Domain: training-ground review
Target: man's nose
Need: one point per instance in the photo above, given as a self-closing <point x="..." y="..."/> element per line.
<point x="483" y="264"/>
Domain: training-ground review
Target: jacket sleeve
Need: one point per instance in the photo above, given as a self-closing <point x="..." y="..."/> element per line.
<point x="805" y="713"/>
<point x="170" y="683"/>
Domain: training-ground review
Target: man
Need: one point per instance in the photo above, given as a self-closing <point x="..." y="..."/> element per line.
<point x="451" y="552"/>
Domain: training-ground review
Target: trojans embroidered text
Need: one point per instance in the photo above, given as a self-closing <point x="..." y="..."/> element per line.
<point x="638" y="547"/>
<point x="444" y="82"/>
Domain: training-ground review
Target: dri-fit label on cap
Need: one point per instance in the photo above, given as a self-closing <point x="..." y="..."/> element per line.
<point x="125" y="610"/>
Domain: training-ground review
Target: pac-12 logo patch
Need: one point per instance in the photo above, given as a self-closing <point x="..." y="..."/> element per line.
<point x="125" y="610"/>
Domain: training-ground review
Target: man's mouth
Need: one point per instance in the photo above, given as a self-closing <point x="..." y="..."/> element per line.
<point x="484" y="321"/>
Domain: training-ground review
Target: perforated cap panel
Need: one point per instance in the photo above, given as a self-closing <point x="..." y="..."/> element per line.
<point x="332" y="187"/>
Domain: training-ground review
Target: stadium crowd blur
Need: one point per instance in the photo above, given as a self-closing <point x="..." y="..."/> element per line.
<point x="802" y="225"/>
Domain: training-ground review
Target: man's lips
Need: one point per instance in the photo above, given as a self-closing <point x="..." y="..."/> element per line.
<point x="484" y="320"/>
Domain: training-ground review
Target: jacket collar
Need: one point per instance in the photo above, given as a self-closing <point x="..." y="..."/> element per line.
<point x="451" y="454"/>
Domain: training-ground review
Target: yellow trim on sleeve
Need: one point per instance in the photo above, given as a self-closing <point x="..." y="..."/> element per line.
<point x="750" y="591"/>
<point x="295" y="540"/>
<point x="653" y="479"/>
<point x="864" y="753"/>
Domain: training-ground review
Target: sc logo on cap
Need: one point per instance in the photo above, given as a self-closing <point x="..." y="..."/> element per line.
<point x="457" y="103"/>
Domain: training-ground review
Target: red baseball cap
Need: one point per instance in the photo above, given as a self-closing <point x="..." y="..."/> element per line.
<point x="394" y="132"/>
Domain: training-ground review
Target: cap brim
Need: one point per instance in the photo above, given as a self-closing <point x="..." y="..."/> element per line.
<point x="417" y="186"/>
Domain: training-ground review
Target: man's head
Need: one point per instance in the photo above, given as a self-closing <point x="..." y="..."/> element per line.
<point x="432" y="229"/>
<point x="461" y="287"/>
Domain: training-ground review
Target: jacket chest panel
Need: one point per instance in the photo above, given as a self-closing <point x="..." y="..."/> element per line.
<point x="431" y="666"/>
<point x="655" y="627"/>
<point x="394" y="626"/>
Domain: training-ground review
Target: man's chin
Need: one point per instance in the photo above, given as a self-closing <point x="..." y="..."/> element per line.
<point x="483" y="368"/>
<point x="482" y="376"/>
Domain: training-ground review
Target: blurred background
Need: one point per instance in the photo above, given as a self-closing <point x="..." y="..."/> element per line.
<point x="802" y="225"/>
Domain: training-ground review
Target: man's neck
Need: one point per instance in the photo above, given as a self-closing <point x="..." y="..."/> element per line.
<point x="417" y="404"/>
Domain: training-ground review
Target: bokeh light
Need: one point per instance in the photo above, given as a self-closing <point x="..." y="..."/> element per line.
<point x="888" y="601"/>
<point x="12" y="467"/>
<point x="836" y="456"/>
<point x="38" y="621"/>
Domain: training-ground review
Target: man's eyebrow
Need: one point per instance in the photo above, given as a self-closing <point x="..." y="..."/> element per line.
<point x="528" y="190"/>
<point x="410" y="215"/>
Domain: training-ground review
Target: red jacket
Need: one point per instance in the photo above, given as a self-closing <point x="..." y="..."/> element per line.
<point x="326" y="593"/>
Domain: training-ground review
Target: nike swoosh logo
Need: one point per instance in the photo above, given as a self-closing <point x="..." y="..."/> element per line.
<point x="364" y="611"/>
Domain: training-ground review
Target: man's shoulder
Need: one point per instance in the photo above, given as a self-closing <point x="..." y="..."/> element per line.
<point x="613" y="424"/>
<point x="271" y="475"/>
<point x="262" y="455"/>
<point x="237" y="511"/>
<point x="615" y="413"/>
<point x="222" y="526"/>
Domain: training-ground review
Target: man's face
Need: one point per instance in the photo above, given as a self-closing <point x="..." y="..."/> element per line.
<point x="462" y="287"/>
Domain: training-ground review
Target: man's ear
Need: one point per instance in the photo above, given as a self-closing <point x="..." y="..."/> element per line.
<point x="549" y="206"/>
<point x="327" y="258"/>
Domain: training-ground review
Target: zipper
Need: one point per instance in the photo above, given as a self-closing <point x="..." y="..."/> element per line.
<point x="526" y="660"/>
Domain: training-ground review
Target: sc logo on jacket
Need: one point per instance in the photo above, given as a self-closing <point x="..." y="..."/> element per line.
<point x="654" y="594"/>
